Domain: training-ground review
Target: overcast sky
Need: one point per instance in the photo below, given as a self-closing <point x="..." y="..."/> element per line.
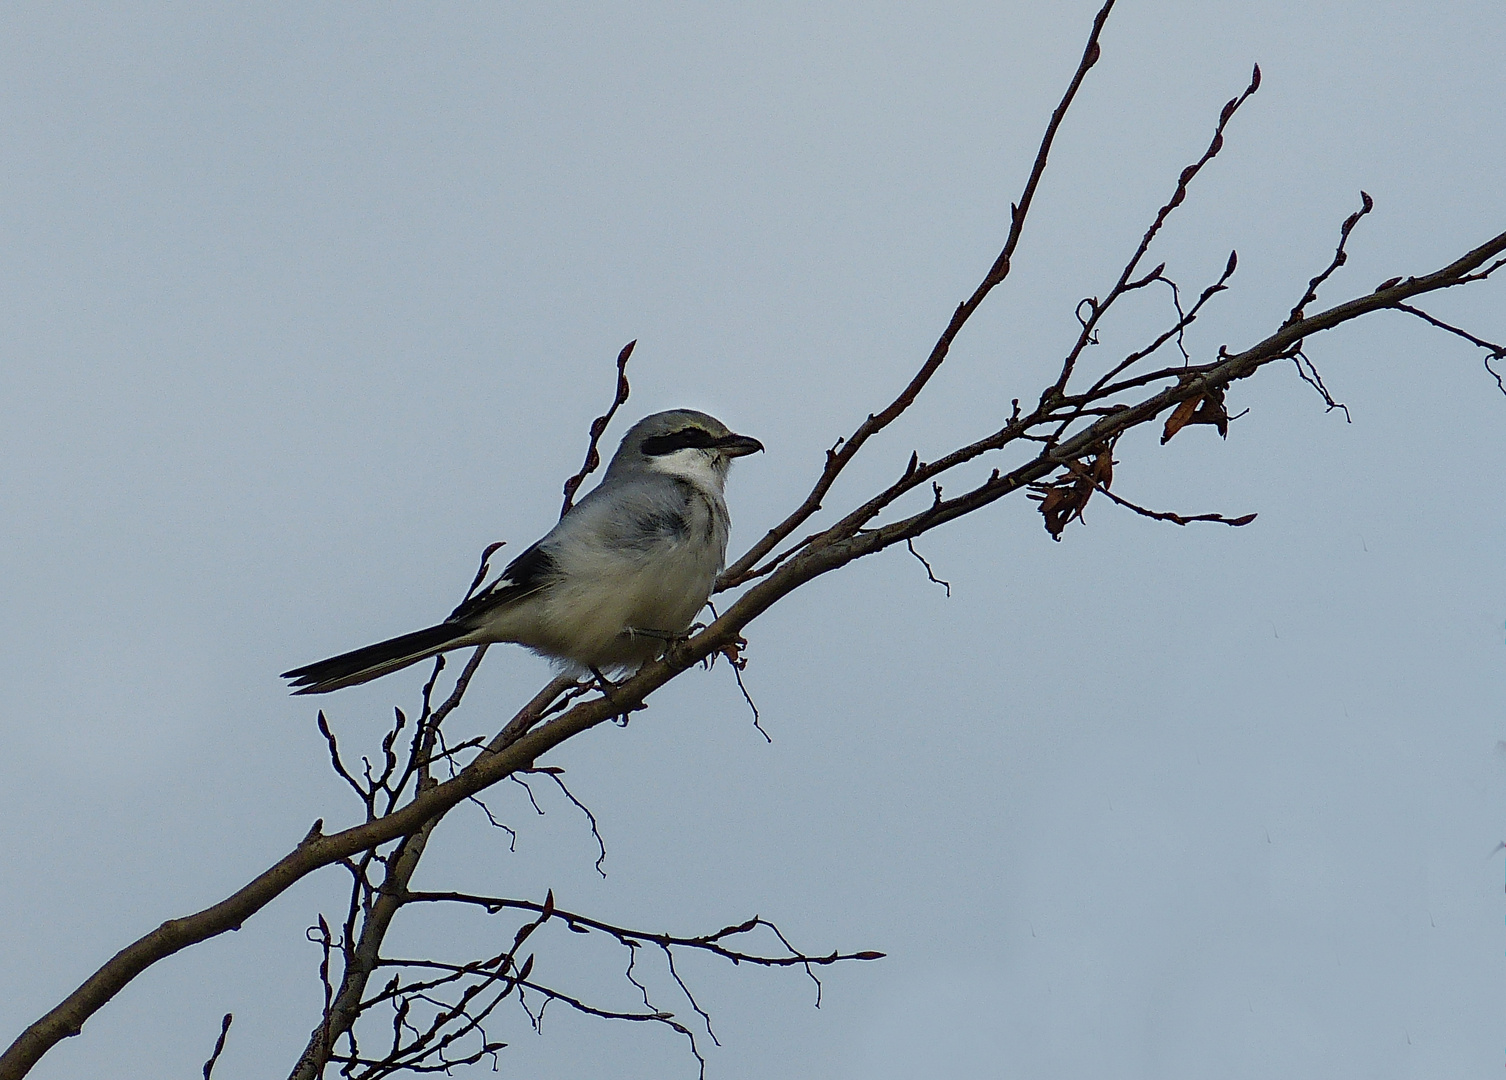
<point x="305" y="305"/>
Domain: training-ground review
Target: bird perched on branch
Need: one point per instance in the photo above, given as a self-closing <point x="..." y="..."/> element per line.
<point x="621" y="576"/>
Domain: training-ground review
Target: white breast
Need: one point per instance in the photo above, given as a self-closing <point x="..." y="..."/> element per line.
<point x="642" y="558"/>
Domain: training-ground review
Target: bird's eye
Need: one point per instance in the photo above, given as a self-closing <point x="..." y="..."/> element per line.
<point x="657" y="445"/>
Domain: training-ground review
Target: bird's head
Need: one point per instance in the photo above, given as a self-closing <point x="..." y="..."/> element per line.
<point x="682" y="442"/>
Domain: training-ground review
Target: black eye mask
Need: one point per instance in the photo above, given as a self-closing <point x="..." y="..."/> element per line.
<point x="699" y="438"/>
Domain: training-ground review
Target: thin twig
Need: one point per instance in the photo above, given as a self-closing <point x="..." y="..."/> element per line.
<point x="1496" y="351"/>
<point x="712" y="943"/>
<point x="219" y="1045"/>
<point x="839" y="456"/>
<point x="737" y="673"/>
<point x="558" y="713"/>
<point x="598" y="427"/>
<point x="737" y="661"/>
<point x="1309" y="374"/>
<point x="669" y="959"/>
<point x="1175" y="519"/>
<point x="1340" y="257"/>
<point x="601" y="847"/>
<point x="947" y="585"/>
<point x="1125" y="282"/>
<point x="512" y="834"/>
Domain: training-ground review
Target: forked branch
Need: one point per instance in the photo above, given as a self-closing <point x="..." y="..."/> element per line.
<point x="1067" y="436"/>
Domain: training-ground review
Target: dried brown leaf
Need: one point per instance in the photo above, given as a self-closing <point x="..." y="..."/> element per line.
<point x="1178" y="419"/>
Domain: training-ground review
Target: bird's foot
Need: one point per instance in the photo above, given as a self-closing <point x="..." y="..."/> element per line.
<point x="668" y="638"/>
<point x="604" y="684"/>
<point x="607" y="686"/>
<point x="653" y="635"/>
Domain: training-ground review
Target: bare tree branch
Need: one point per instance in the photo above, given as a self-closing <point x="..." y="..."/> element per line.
<point x="1069" y="436"/>
<point x="839" y="456"/>
<point x="525" y="739"/>
<point x="1126" y="282"/>
<point x="456" y="998"/>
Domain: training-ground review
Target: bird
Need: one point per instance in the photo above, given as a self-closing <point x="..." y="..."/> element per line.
<point x="621" y="576"/>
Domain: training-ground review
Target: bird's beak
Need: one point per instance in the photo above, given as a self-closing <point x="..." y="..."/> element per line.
<point x="738" y="445"/>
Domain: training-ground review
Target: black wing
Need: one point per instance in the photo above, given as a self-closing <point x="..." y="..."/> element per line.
<point x="526" y="574"/>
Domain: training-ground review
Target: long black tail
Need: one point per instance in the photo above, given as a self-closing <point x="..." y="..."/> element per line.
<point x="374" y="661"/>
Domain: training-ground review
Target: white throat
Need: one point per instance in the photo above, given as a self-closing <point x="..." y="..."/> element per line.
<point x="692" y="464"/>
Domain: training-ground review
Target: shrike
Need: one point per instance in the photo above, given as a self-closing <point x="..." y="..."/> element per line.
<point x="622" y="575"/>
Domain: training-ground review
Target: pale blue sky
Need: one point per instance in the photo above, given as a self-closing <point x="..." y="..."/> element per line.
<point x="306" y="305"/>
